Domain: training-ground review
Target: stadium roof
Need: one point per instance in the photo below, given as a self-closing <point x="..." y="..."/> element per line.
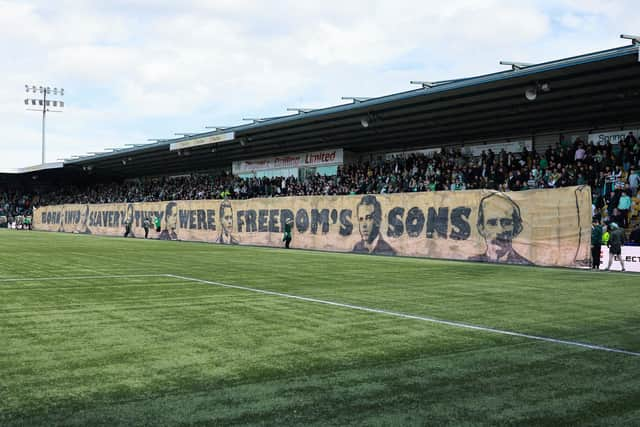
<point x="592" y="91"/>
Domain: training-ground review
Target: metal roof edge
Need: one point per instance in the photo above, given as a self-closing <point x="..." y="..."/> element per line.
<point x="34" y="168"/>
<point x="454" y="84"/>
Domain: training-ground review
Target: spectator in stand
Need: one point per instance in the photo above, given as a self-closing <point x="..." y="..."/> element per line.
<point x="634" y="181"/>
<point x="624" y="205"/>
<point x="580" y="153"/>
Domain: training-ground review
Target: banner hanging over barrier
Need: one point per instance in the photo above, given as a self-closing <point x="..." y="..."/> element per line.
<point x="541" y="227"/>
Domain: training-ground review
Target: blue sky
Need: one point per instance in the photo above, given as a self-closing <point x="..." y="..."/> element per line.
<point x="140" y="69"/>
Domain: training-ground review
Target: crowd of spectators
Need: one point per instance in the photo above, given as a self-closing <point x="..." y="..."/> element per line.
<point x="14" y="203"/>
<point x="611" y="170"/>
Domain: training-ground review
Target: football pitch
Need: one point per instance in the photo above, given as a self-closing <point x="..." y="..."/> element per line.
<point x="107" y="331"/>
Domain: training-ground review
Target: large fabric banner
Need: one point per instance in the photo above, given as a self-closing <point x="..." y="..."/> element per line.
<point x="542" y="227"/>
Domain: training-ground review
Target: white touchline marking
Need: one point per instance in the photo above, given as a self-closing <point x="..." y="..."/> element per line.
<point x="115" y="276"/>
<point x="414" y="317"/>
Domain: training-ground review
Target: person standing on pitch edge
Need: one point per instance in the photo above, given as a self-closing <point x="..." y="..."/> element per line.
<point x="596" y="243"/>
<point x="127" y="227"/>
<point x="146" y="224"/>
<point x="287" y="233"/>
<point x="616" y="240"/>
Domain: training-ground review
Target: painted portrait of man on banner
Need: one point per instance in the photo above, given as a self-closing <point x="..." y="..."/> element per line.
<point x="369" y="214"/>
<point x="170" y="222"/>
<point x="226" y="225"/>
<point x="499" y="222"/>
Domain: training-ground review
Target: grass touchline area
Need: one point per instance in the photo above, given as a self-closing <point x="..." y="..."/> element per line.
<point x="107" y="331"/>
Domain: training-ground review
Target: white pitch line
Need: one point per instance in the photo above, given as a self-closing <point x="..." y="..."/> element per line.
<point x="414" y="317"/>
<point x="115" y="276"/>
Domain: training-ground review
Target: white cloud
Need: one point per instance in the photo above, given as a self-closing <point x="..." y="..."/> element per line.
<point x="136" y="69"/>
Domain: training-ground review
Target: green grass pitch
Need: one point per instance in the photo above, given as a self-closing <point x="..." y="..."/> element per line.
<point x="151" y="349"/>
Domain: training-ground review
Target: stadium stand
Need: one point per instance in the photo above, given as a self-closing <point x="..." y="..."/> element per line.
<point x="575" y="126"/>
<point x="607" y="169"/>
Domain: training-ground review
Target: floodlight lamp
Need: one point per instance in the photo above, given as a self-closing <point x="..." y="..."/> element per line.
<point x="124" y="162"/>
<point x="531" y="93"/>
<point x="545" y="87"/>
<point x="364" y="122"/>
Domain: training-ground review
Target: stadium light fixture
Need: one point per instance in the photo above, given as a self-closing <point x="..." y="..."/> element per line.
<point x="515" y="66"/>
<point x="217" y="127"/>
<point x="154" y="140"/>
<point x="43" y="103"/>
<point x="532" y="92"/>
<point x="634" y="39"/>
<point x="368" y="120"/>
<point x="429" y="85"/>
<point x="185" y="134"/>
<point x="421" y="83"/>
<point x="355" y="99"/>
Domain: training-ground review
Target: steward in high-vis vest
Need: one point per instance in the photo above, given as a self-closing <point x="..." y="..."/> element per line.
<point x="156" y="223"/>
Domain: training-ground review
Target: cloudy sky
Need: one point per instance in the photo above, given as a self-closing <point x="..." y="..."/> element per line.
<point x="140" y="69"/>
